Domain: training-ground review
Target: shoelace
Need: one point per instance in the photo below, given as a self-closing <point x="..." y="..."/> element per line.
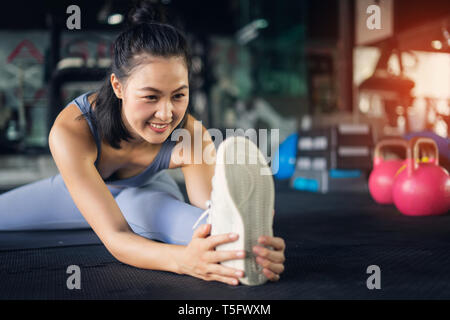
<point x="208" y="205"/>
<point x="206" y="212"/>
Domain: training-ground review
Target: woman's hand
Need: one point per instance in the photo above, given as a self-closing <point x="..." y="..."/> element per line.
<point x="200" y="260"/>
<point x="272" y="260"/>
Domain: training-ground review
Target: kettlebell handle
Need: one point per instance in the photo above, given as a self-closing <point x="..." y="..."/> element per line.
<point x="414" y="149"/>
<point x="393" y="142"/>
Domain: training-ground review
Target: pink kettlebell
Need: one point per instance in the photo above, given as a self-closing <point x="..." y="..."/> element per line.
<point x="381" y="178"/>
<point x="422" y="188"/>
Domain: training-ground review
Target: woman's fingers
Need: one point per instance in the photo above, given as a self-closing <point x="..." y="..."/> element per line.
<point x="216" y="268"/>
<point x="202" y="231"/>
<point x="274" y="256"/>
<point x="271" y="259"/>
<point x="275" y="242"/>
<point x="223" y="255"/>
<point x="277" y="268"/>
<point x="227" y="280"/>
<point x="214" y="241"/>
<point x="271" y="275"/>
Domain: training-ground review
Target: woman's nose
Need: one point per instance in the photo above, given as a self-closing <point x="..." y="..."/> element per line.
<point x="164" y="112"/>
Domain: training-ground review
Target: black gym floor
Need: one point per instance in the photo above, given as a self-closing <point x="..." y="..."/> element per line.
<point x="331" y="241"/>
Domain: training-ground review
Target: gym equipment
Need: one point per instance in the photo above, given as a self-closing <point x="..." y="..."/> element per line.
<point x="333" y="180"/>
<point x="310" y="180"/>
<point x="442" y="143"/>
<point x="422" y="189"/>
<point x="286" y="155"/>
<point x="382" y="176"/>
<point x="332" y="159"/>
<point x="345" y="146"/>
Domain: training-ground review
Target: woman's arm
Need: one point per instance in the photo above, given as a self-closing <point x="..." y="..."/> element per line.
<point x="198" y="176"/>
<point x="74" y="152"/>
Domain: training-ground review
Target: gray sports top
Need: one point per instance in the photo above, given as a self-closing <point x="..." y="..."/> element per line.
<point x="160" y="162"/>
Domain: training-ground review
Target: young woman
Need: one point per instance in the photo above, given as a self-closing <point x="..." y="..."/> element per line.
<point x="111" y="148"/>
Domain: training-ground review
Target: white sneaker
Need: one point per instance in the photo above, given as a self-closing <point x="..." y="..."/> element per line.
<point x="242" y="202"/>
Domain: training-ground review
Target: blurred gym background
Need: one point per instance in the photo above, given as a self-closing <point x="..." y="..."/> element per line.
<point x="295" y="65"/>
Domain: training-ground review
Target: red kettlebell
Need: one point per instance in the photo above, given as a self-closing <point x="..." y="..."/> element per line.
<point x="422" y="188"/>
<point x="381" y="178"/>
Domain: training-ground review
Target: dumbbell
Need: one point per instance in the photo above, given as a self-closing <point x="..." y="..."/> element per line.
<point x="422" y="188"/>
<point x="382" y="177"/>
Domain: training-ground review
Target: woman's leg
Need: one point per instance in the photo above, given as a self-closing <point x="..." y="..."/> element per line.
<point x="157" y="211"/>
<point x="42" y="205"/>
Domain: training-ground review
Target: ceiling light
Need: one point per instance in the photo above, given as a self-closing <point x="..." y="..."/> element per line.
<point x="115" y="18"/>
<point x="436" y="44"/>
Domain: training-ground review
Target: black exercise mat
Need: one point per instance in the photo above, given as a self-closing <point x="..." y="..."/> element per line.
<point x="331" y="240"/>
<point x="13" y="240"/>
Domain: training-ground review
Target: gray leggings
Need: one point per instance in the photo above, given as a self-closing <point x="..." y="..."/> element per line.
<point x="155" y="210"/>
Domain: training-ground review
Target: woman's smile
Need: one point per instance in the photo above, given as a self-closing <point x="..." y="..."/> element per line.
<point x="159" y="128"/>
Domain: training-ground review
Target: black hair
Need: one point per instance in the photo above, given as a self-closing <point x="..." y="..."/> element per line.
<point x="144" y="36"/>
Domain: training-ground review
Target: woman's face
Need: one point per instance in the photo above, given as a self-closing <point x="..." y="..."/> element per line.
<point x="155" y="98"/>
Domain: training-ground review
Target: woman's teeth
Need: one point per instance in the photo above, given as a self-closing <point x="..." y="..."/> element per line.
<point x="158" y="126"/>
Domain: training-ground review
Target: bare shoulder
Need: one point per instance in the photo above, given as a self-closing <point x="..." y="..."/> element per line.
<point x="71" y="117"/>
<point x="71" y="132"/>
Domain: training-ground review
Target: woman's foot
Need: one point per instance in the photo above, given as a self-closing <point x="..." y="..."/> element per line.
<point x="242" y="202"/>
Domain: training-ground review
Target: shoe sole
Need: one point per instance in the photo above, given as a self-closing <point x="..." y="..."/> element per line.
<point x="251" y="199"/>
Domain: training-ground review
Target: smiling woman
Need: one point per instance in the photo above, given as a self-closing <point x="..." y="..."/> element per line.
<point x="148" y="82"/>
<point x="112" y="148"/>
<point x="155" y="96"/>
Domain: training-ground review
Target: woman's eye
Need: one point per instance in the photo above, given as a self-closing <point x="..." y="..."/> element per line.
<point x="152" y="97"/>
<point x="179" y="96"/>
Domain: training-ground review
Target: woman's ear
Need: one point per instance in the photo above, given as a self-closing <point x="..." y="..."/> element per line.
<point x="116" y="85"/>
